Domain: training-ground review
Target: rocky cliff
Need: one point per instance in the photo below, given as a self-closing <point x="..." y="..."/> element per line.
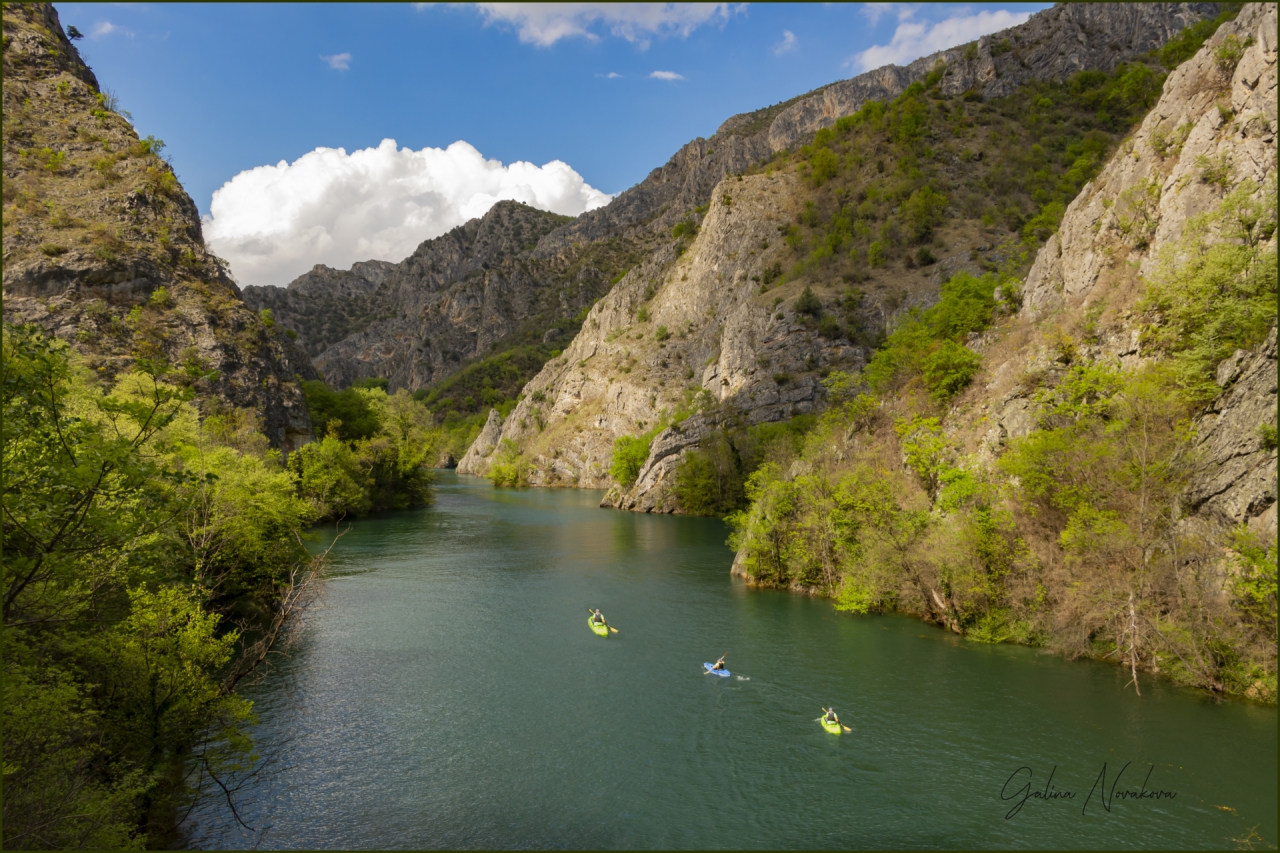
<point x="706" y="326"/>
<point x="1052" y="45"/>
<point x="323" y="305"/>
<point x="1212" y="131"/>
<point x="459" y="297"/>
<point x="1100" y="481"/>
<point x="102" y="247"/>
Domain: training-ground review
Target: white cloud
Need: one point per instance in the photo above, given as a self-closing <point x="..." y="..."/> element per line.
<point x="787" y="44"/>
<point x="665" y="75"/>
<point x="106" y="28"/>
<point x="914" y="39"/>
<point x="613" y="75"/>
<point x="275" y="222"/>
<point x="544" y="24"/>
<point x="339" y="61"/>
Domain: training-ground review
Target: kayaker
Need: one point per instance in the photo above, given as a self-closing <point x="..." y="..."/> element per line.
<point x="831" y="716"/>
<point x="597" y="618"/>
<point x="720" y="663"/>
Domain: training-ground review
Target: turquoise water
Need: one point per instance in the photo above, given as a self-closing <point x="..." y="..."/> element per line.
<point x="449" y="694"/>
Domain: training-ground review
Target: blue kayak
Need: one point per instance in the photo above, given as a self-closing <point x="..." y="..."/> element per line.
<point x="711" y="669"/>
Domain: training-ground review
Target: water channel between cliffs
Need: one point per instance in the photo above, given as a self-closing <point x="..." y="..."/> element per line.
<point x="447" y="693"/>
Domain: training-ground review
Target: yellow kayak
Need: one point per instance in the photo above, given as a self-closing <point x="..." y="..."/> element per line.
<point x="600" y="630"/>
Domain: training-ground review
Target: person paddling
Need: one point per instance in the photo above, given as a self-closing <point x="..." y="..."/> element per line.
<point x="829" y="718"/>
<point x="597" y="619"/>
<point x="717" y="666"/>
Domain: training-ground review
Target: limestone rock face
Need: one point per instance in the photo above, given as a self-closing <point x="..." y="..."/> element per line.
<point x="758" y="360"/>
<point x="706" y="329"/>
<point x="1136" y="210"/>
<point x="416" y="322"/>
<point x="1142" y="200"/>
<point x="323" y="305"/>
<point x="483" y="446"/>
<point x="1238" y="483"/>
<point x="96" y="225"/>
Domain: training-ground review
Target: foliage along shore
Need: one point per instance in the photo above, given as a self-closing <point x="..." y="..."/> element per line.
<point x="152" y="558"/>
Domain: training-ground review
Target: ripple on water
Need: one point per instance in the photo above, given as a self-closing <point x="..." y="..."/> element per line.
<point x="448" y="695"/>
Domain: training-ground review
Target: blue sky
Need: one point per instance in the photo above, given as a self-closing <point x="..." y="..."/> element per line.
<point x="234" y="87"/>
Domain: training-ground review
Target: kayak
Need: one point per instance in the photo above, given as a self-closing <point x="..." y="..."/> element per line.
<point x="723" y="673"/>
<point x="600" y="630"/>
<point x="834" y="728"/>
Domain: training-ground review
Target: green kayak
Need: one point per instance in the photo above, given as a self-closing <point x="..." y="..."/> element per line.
<point x="834" y="728"/>
<point x="600" y="630"/>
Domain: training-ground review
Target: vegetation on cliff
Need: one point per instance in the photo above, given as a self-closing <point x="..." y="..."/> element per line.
<point x="886" y="178"/>
<point x="1075" y="541"/>
<point x="103" y="248"/>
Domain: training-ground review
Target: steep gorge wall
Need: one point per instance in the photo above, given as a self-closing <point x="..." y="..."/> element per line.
<point x="95" y="224"/>
<point x="1212" y="131"/>
<point x="709" y="329"/>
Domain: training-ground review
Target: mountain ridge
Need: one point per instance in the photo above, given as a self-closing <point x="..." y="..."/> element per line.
<point x="673" y="191"/>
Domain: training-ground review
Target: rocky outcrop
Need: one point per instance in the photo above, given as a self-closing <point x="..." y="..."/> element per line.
<point x="652" y="491"/>
<point x="1051" y="46"/>
<point x="1213" y="130"/>
<point x="102" y="247"/>
<point x="323" y="305"/>
<point x="1141" y="202"/>
<point x="756" y="358"/>
<point x="483" y="446"/>
<point x="1237" y="483"/>
<point x="676" y="327"/>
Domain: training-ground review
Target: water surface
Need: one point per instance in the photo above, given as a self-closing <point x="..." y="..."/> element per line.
<point x="449" y="694"/>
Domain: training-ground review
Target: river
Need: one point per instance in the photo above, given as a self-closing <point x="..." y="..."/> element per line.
<point x="447" y="693"/>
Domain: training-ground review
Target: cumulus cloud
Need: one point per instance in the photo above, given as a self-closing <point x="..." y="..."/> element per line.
<point x="339" y="61"/>
<point x="273" y="223"/>
<point x="544" y="24"/>
<point x="665" y="75"/>
<point x="787" y="44"/>
<point x="106" y="28"/>
<point x="914" y="39"/>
